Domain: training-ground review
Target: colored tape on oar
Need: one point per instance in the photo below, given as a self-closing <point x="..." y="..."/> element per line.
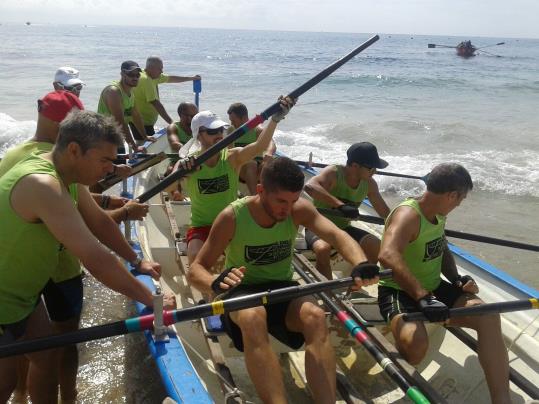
<point x="174" y="316"/>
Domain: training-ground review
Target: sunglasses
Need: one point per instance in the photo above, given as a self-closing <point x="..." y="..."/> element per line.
<point x="77" y="87"/>
<point x="133" y="74"/>
<point x="212" y="132"/>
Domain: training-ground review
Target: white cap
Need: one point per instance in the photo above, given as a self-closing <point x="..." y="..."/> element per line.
<point x="206" y="119"/>
<point x="67" y="77"/>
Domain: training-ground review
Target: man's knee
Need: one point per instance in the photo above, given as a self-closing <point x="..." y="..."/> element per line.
<point x="322" y="249"/>
<point x="252" y="323"/>
<point x="411" y="340"/>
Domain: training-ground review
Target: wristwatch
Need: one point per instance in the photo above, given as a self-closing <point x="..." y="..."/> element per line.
<point x="136" y="263"/>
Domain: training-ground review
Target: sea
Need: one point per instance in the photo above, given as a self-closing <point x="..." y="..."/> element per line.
<point x="420" y="106"/>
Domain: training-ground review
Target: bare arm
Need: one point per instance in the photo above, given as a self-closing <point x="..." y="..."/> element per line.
<point x="139" y="124"/>
<point x="403" y="227"/>
<point x="161" y="110"/>
<point x="304" y="213"/>
<point x="376" y="199"/>
<point x="113" y="98"/>
<point x="449" y="267"/>
<point x="222" y="231"/>
<point x="41" y="197"/>
<point x="318" y="187"/>
<point x="102" y="226"/>
<point x="181" y="79"/>
<point x="241" y="155"/>
<point x="272" y="148"/>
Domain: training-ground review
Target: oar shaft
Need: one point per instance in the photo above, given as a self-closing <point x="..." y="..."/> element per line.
<point x="481" y="309"/>
<point x="170" y="317"/>
<point x="258" y="119"/>
<point x="386" y="173"/>
<point x="363" y="338"/>
<point x="449" y="233"/>
<point x="55" y="341"/>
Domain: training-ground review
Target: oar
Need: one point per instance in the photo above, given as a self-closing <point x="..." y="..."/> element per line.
<point x="488" y="46"/>
<point x="363" y="338"/>
<point x="433" y="45"/>
<point x="258" y="119"/>
<point x="121" y="158"/>
<point x="450" y="233"/>
<point x="386" y="173"/>
<point x="174" y="316"/>
<point x="481" y="309"/>
<point x="140" y="165"/>
<point x="491" y="54"/>
<point x="197" y="89"/>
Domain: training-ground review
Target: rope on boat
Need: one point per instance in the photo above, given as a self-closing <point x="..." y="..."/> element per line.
<point x="233" y="390"/>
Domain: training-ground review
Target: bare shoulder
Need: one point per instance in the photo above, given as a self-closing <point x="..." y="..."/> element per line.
<point x="303" y="211"/>
<point x="372" y="184"/>
<point x="404" y="219"/>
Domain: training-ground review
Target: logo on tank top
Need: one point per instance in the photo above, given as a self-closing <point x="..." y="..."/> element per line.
<point x="434" y="249"/>
<point x="213" y="185"/>
<point x="268" y="254"/>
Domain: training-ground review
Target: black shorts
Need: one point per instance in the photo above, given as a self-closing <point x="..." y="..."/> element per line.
<point x="393" y="301"/>
<point x="10" y="333"/>
<point x="275" y="316"/>
<point x="354" y="232"/>
<point x="150" y="131"/>
<point x="63" y="300"/>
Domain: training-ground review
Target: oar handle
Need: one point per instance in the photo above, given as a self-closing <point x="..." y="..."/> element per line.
<point x="481" y="309"/>
<point x="258" y="119"/>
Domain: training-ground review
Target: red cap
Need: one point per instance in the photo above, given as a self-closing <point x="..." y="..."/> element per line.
<point x="57" y="104"/>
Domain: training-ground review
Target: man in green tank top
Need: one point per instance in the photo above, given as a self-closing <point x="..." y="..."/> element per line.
<point x="238" y="115"/>
<point x="118" y="100"/>
<point x="415" y="248"/>
<point x="38" y="216"/>
<point x="179" y="133"/>
<point x="344" y="188"/>
<point x="147" y="95"/>
<point x="215" y="184"/>
<point x="257" y="235"/>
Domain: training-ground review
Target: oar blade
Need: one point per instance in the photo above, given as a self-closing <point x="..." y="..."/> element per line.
<point x="432" y="45"/>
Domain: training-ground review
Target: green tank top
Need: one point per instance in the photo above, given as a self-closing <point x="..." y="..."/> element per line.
<point x="128" y="102"/>
<point x="247" y="138"/>
<point x="69" y="265"/>
<point x="266" y="253"/>
<point x="182" y="135"/>
<point x="345" y="193"/>
<point x="211" y="189"/>
<point x="423" y="255"/>
<point x="28" y="251"/>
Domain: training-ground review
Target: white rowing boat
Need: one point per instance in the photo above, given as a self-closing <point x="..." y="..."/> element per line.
<point x="199" y="365"/>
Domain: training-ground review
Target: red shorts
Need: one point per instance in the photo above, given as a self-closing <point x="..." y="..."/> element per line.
<point x="200" y="233"/>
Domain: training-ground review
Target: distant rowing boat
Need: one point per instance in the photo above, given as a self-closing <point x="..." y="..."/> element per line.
<point x="465" y="49"/>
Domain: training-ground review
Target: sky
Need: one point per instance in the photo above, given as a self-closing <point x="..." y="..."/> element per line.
<point x="493" y="18"/>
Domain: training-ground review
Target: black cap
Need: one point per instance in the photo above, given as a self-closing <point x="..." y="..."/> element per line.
<point x="365" y="154"/>
<point x="129" y="66"/>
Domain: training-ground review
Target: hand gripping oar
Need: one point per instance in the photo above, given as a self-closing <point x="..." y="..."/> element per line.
<point x="197" y="89"/>
<point x="450" y="233"/>
<point x="258" y="119"/>
<point x="174" y="316"/>
<point x="363" y="338"/>
<point x="481" y="309"/>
